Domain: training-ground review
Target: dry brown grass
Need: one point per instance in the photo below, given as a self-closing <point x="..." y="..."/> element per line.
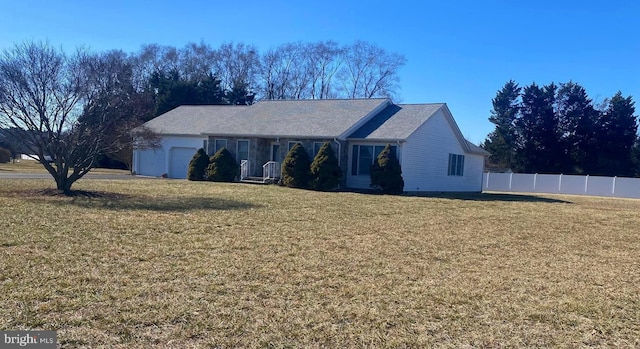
<point x="173" y="264"/>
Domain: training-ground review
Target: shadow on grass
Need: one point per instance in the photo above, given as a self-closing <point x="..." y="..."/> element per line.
<point x="116" y="201"/>
<point x="474" y="196"/>
<point x="493" y="197"/>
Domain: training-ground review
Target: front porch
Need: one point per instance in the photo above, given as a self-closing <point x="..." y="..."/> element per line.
<point x="270" y="173"/>
<point x="260" y="158"/>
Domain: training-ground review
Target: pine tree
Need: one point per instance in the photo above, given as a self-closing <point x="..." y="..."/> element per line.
<point x="295" y="168"/>
<point x="222" y="167"/>
<point x="198" y="166"/>
<point x="325" y="170"/>
<point x="502" y="141"/>
<point x="577" y="119"/>
<point x="616" y="134"/>
<point x="540" y="148"/>
<point x="386" y="173"/>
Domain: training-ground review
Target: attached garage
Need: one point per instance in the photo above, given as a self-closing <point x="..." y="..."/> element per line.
<point x="171" y="159"/>
<point x="181" y="130"/>
<point x="150" y="162"/>
<point x="179" y="159"/>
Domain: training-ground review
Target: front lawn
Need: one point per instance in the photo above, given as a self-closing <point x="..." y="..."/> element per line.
<point x="177" y="264"/>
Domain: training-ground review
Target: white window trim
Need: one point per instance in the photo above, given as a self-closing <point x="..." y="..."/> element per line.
<point x="238" y="149"/>
<point x="374" y="145"/>
<point x="215" y="141"/>
<point x="458" y="158"/>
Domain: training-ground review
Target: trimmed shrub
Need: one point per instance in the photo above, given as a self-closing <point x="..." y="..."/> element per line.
<point x="386" y="173"/>
<point x="5" y="155"/>
<point x="325" y="170"/>
<point x="295" y="168"/>
<point x="222" y="167"/>
<point x="198" y="166"/>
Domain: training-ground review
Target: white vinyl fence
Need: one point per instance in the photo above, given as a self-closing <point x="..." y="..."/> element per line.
<point x="621" y="187"/>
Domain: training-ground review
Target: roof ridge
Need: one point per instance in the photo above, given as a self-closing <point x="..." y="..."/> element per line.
<point x="434" y="103"/>
<point x="323" y="99"/>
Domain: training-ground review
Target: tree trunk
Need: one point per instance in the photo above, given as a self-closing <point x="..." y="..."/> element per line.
<point x="63" y="184"/>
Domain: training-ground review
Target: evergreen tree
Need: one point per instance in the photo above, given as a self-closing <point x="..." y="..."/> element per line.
<point x="502" y="154"/>
<point x="386" y="173"/>
<point x="501" y="143"/>
<point x="616" y="135"/>
<point x="222" y="167"/>
<point x="325" y="170"/>
<point x="171" y="91"/>
<point x="198" y="166"/>
<point x="577" y="119"/>
<point x="295" y="168"/>
<point x="539" y="148"/>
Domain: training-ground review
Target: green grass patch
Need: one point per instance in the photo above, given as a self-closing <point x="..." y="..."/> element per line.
<point x="177" y="264"/>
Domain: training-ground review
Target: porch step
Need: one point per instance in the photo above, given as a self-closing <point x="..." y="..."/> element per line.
<point x="258" y="180"/>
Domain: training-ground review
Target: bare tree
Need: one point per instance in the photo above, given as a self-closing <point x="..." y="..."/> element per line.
<point x="237" y="65"/>
<point x="369" y="71"/>
<point x="324" y="59"/>
<point x="44" y="94"/>
<point x="285" y="72"/>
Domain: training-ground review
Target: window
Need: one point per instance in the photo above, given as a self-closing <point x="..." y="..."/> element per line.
<point x="316" y="148"/>
<point x="219" y="144"/>
<point x="292" y="143"/>
<point x="456" y="165"/>
<point x="242" y="151"/>
<point x="363" y="157"/>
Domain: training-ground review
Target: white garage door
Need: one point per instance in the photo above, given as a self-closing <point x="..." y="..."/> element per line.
<point x="179" y="161"/>
<point x="150" y="162"/>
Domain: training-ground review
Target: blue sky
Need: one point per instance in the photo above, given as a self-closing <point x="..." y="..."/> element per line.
<point x="458" y="52"/>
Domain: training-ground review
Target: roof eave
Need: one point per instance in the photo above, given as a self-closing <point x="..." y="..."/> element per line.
<point x="236" y="135"/>
<point x="377" y="140"/>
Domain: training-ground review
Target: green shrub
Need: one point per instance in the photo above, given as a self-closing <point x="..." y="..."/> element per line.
<point x="198" y="166"/>
<point x="5" y="155"/>
<point x="386" y="173"/>
<point x="325" y="170"/>
<point x="295" y="168"/>
<point x="222" y="167"/>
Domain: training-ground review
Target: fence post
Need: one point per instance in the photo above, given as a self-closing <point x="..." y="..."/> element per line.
<point x="586" y="184"/>
<point x="510" y="179"/>
<point x="535" y="179"/>
<point x="560" y="183"/>
<point x="487" y="181"/>
<point x="613" y="189"/>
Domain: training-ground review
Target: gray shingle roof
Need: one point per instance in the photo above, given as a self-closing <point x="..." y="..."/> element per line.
<point x="194" y="119"/>
<point x="319" y="118"/>
<point x="396" y="122"/>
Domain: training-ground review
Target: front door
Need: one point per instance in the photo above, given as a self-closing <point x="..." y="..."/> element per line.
<point x="275" y="152"/>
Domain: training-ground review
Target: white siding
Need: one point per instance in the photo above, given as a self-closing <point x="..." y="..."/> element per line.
<point x="425" y="159"/>
<point x="170" y="158"/>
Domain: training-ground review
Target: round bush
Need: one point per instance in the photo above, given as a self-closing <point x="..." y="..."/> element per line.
<point x="295" y="168"/>
<point x="386" y="173"/>
<point x="198" y="166"/>
<point x="325" y="170"/>
<point x="222" y="167"/>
